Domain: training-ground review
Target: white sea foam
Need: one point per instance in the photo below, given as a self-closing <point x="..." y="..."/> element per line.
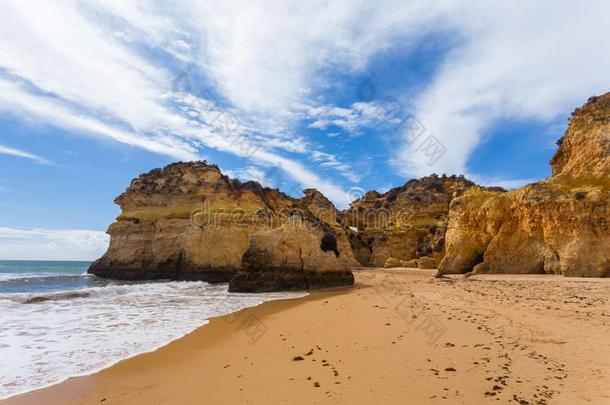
<point x="28" y="276"/>
<point x="48" y="337"/>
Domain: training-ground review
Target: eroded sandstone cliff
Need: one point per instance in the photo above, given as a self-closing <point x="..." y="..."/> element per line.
<point x="304" y="253"/>
<point x="188" y="221"/>
<point x="558" y="225"/>
<point x="406" y="222"/>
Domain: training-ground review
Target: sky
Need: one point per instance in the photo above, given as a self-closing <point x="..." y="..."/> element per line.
<point x="342" y="96"/>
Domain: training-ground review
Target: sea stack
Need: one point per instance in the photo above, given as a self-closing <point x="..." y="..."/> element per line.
<point x="188" y="221"/>
<point x="559" y="225"/>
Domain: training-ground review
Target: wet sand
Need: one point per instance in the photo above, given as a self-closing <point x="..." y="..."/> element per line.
<point x="399" y="336"/>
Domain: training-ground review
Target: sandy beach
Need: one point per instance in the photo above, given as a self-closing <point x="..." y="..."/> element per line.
<point x="398" y="336"/>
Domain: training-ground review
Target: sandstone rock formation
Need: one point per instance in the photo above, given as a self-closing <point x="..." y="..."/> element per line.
<point x="392" y="262"/>
<point x="302" y="254"/>
<point x="426" y="262"/>
<point x="558" y="225"/>
<point x="411" y="264"/>
<point x="404" y="223"/>
<point x="188" y="221"/>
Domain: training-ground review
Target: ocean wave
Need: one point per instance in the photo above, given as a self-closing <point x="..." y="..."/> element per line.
<point x="143" y="288"/>
<point x="24" y="277"/>
<point x="55" y="297"/>
<point x="49" y="337"/>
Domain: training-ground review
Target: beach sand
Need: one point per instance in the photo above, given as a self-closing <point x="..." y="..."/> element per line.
<point x="397" y="337"/>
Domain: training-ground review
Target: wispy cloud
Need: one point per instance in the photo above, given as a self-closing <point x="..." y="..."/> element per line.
<point x="23" y="154"/>
<point x="509" y="65"/>
<point x="107" y="69"/>
<point x="328" y="160"/>
<point x="253" y="173"/>
<point x="353" y="120"/>
<point x="107" y="86"/>
<point x="17" y="100"/>
<point x="508" y="184"/>
<point x="51" y="244"/>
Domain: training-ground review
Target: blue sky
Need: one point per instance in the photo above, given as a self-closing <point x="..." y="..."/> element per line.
<point x="340" y="96"/>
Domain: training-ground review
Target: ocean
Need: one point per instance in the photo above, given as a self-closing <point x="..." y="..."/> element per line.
<point x="58" y="322"/>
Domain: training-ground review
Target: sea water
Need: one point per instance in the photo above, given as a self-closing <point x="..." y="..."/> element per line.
<point x="58" y="322"/>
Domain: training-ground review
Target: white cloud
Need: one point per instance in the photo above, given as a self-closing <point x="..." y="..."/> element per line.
<point x="98" y="68"/>
<point x="87" y="78"/>
<point x="508" y="184"/>
<point x="51" y="244"/>
<point x="23" y="154"/>
<point x="252" y="173"/>
<point x="327" y="160"/>
<point x="62" y="52"/>
<point x="305" y="178"/>
<point x="14" y="99"/>
<point x="264" y="57"/>
<point x="354" y="119"/>
<point x="517" y="60"/>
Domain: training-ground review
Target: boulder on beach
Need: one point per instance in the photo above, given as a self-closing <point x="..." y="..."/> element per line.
<point x="411" y="264"/>
<point x="426" y="262"/>
<point x="391" y="262"/>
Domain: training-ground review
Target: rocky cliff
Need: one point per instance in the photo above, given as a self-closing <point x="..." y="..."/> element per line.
<point x="559" y="225"/>
<point x="404" y="223"/>
<point x="188" y="221"/>
<point x="304" y="253"/>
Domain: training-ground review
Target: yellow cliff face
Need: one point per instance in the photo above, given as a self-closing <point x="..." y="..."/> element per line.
<point x="584" y="150"/>
<point x="559" y="225"/>
<point x="189" y="221"/>
<point x="302" y="254"/>
<point x="406" y="222"/>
